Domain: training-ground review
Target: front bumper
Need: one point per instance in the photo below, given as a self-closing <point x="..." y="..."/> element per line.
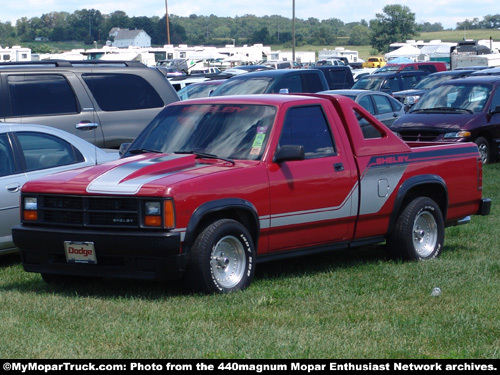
<point x="127" y="254"/>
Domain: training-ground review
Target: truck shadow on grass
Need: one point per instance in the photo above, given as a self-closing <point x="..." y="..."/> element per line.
<point x="292" y="268"/>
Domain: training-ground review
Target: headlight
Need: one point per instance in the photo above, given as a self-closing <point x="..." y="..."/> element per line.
<point x="158" y="214"/>
<point x="410" y="100"/>
<point x="30" y="206"/>
<point x="459" y="134"/>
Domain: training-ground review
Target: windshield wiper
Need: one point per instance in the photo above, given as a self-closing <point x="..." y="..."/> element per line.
<point x="144" y="151"/>
<point x="442" y="109"/>
<point x="205" y="155"/>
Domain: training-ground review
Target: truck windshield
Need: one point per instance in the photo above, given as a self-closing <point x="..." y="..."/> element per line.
<point x="232" y="131"/>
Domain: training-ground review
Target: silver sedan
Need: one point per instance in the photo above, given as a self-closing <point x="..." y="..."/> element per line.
<point x="31" y="151"/>
<point x="381" y="105"/>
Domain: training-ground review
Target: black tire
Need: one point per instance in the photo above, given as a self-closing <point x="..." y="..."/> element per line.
<point x="484" y="149"/>
<point x="419" y="231"/>
<point x="221" y="259"/>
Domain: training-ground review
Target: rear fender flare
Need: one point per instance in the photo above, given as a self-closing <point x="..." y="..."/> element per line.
<point x="423" y="185"/>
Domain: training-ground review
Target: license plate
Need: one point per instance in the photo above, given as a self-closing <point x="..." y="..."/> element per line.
<point x="80" y="252"/>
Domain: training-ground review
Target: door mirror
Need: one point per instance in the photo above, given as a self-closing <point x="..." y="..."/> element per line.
<point x="289" y="153"/>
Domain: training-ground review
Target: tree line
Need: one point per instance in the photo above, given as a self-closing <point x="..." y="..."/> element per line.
<point x="396" y="23"/>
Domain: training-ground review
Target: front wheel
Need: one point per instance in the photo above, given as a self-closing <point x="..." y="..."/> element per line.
<point x="221" y="259"/>
<point x="484" y="149"/>
<point x="419" y="231"/>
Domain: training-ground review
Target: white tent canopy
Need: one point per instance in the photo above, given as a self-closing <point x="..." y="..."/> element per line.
<point x="405" y="51"/>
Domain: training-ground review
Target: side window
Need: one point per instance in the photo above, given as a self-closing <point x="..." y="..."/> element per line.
<point x="409" y="81"/>
<point x="368" y="130"/>
<point x="47" y="94"/>
<point x="392" y="84"/>
<point x="367" y="104"/>
<point x="292" y="83"/>
<point x="382" y="103"/>
<point x="307" y="126"/>
<point x="6" y="158"/>
<point x="43" y="151"/>
<point x="311" y="83"/>
<point x="495" y="102"/>
<point x="121" y="92"/>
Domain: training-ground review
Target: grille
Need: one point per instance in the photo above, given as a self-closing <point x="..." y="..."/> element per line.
<point x="90" y="211"/>
<point x="416" y="135"/>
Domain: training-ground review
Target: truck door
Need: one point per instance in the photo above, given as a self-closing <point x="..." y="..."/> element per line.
<point x="313" y="201"/>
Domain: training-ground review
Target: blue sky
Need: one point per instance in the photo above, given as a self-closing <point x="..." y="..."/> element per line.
<point x="447" y="12"/>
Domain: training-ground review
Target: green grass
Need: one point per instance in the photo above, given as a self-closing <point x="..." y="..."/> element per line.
<point x="346" y="304"/>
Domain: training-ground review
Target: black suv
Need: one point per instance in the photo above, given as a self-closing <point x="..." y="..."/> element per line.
<point x="120" y="97"/>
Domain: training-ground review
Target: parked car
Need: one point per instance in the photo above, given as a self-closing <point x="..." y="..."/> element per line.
<point x="390" y="82"/>
<point x="428" y="66"/>
<point x="460" y="110"/>
<point x="279" y="64"/>
<point x="240" y="69"/>
<point x="381" y="105"/>
<point x="374" y="62"/>
<point x="31" y="151"/>
<point x="337" y="76"/>
<point x="199" y="89"/>
<point x="411" y="96"/>
<point x="121" y="96"/>
<point x="487" y="72"/>
<point x="273" y="81"/>
<point x="335" y="61"/>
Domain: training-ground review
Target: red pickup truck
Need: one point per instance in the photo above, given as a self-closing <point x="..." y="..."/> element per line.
<point x="214" y="186"/>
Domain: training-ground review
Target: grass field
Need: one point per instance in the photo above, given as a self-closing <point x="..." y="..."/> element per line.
<point x="346" y="304"/>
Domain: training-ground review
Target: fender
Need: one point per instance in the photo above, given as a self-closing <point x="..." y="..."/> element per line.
<point x="416" y="182"/>
<point x="213" y="207"/>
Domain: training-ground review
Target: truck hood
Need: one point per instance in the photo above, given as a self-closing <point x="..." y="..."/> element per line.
<point x="444" y="121"/>
<point x="149" y="174"/>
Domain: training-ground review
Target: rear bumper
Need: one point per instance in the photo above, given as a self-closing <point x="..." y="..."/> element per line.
<point x="132" y="254"/>
<point x="484" y="207"/>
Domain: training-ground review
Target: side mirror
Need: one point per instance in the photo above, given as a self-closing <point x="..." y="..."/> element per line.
<point x="123" y="148"/>
<point x="289" y="153"/>
<point x="495" y="110"/>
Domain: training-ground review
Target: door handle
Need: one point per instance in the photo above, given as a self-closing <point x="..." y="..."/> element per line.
<point x="339" y="167"/>
<point x="13" y="188"/>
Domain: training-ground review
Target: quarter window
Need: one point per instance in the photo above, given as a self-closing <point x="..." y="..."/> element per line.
<point x="121" y="92"/>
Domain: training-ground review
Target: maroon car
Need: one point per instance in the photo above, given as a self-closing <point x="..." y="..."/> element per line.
<point x="460" y="110"/>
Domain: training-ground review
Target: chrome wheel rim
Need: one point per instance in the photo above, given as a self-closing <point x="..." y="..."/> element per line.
<point x="228" y="262"/>
<point x="425" y="234"/>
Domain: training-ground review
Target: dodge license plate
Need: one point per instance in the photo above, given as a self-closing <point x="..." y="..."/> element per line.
<point x="80" y="252"/>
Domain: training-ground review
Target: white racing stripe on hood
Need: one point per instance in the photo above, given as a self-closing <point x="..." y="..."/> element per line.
<point x="112" y="182"/>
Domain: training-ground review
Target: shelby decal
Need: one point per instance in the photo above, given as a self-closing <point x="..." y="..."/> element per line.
<point x="392" y="160"/>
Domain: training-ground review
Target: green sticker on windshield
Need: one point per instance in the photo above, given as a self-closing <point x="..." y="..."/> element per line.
<point x="259" y="140"/>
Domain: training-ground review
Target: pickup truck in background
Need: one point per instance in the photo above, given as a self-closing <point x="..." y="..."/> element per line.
<point x="214" y="186"/>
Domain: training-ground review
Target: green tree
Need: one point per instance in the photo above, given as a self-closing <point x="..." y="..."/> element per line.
<point x="359" y="35"/>
<point x="396" y="24"/>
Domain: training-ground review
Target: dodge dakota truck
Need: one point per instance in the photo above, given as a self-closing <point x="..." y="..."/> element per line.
<point x="214" y="186"/>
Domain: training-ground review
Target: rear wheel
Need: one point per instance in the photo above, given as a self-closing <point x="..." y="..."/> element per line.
<point x="419" y="231"/>
<point x="221" y="259"/>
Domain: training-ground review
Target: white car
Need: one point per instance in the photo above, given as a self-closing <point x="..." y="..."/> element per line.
<point x="31" y="151"/>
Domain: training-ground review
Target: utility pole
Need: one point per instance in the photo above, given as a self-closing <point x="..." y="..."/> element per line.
<point x="168" y="26"/>
<point x="293" y="31"/>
